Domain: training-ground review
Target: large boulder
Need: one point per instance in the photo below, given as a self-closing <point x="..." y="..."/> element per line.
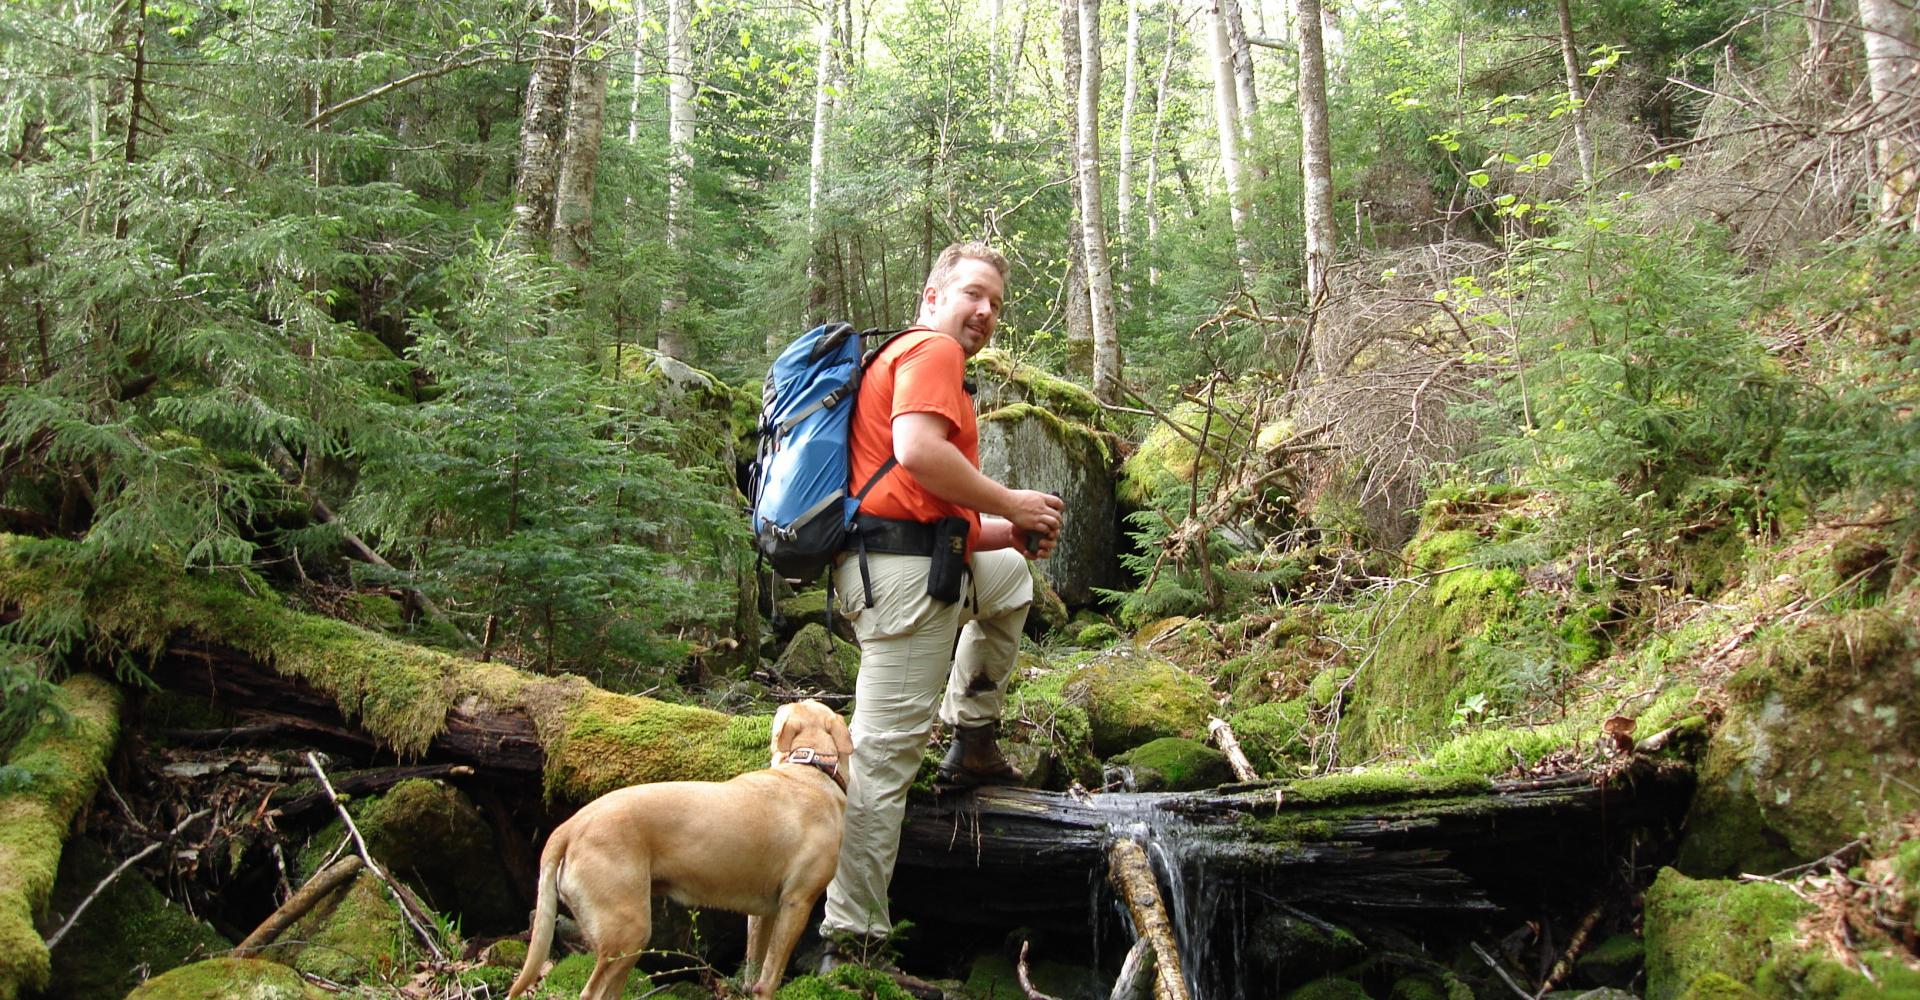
<point x="1040" y="433"/>
<point x="128" y="932"/>
<point x="356" y="935"/>
<point x="1818" y="746"/>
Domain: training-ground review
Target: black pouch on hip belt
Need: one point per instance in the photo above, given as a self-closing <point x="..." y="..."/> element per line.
<point x="949" y="566"/>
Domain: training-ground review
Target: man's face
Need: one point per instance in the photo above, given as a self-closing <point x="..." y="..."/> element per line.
<point x="967" y="306"/>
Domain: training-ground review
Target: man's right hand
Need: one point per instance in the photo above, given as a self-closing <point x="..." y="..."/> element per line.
<point x="1036" y="514"/>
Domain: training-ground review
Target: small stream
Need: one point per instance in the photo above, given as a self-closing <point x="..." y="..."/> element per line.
<point x="1179" y="865"/>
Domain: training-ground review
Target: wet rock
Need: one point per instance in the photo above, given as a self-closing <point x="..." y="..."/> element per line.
<point x="229" y="979"/>
<point x="1284" y="949"/>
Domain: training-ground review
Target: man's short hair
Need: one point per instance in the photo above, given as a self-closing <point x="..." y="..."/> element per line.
<point x="950" y="258"/>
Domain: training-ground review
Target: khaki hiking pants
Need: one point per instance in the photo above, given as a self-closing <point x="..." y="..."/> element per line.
<point x="907" y="658"/>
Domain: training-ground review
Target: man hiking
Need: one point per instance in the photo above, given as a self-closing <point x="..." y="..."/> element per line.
<point x="936" y="553"/>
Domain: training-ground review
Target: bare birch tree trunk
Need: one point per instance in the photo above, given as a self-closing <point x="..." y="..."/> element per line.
<point x="543" y="127"/>
<point x="1078" y="304"/>
<point x="1093" y="226"/>
<point x="1130" y="92"/>
<point x="817" y="158"/>
<point x="580" y="156"/>
<point x="1576" y="101"/>
<point x="1316" y="167"/>
<point x="1151" y="208"/>
<point x="673" y="340"/>
<point x="1226" y="113"/>
<point x="1893" y="73"/>
<point x="1245" y="96"/>
<point x="633" y="95"/>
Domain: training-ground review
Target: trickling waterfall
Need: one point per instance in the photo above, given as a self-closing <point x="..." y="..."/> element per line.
<point x="1179" y="859"/>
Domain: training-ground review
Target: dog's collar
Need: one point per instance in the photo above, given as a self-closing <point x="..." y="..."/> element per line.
<point x="807" y="756"/>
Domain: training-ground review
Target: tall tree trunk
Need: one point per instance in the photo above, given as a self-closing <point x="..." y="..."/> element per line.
<point x="673" y="340"/>
<point x="543" y="126"/>
<point x="1151" y="208"/>
<point x="1226" y="113"/>
<point x="817" y="158"/>
<point x="1316" y="167"/>
<point x="1576" y="101"/>
<point x="1079" y="303"/>
<point x="1245" y="96"/>
<point x="580" y="159"/>
<point x="1130" y="92"/>
<point x="1093" y="227"/>
<point x="1893" y="73"/>
<point x="637" y="77"/>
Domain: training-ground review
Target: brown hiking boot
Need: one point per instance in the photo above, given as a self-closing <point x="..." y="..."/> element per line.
<point x="974" y="758"/>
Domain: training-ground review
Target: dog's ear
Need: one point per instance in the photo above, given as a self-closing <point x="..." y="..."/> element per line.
<point x="842" y="738"/>
<point x="782" y="740"/>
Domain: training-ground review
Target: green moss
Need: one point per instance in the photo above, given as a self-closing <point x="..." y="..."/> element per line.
<point x="1697" y="927"/>
<point x="128" y="931"/>
<point x="1056" y="724"/>
<point x="1062" y="430"/>
<point x="1098" y="635"/>
<point x="434" y="837"/>
<point x="993" y="977"/>
<point x="1166" y="462"/>
<point x="1494" y="751"/>
<point x="611" y="741"/>
<point x="816" y="656"/>
<point x="1276" y="736"/>
<point x="229" y="979"/>
<point x="1717" y="986"/>
<point x="1132" y="698"/>
<point x="1325" y="686"/>
<point x="847" y="982"/>
<point x="60" y="765"/>
<point x="569" y="976"/>
<point x="1174" y="764"/>
<point x="353" y="936"/>
<point x="1330" y="989"/>
<point x="1418" y="987"/>
<point x="1359" y="787"/>
<point x="1071" y="401"/>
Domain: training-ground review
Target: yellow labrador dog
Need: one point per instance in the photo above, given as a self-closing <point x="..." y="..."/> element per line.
<point x="764" y="844"/>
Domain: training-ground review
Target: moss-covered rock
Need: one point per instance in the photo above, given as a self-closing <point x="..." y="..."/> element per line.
<point x="1617" y="961"/>
<point x="1697" y="927"/>
<point x="355" y="935"/>
<point x="435" y="838"/>
<point x="1032" y="446"/>
<point x="1824" y="721"/>
<point x="992" y="976"/>
<point x="128" y="932"/>
<point x="1276" y="736"/>
<point x="847" y="982"/>
<point x="1285" y="950"/>
<point x="816" y="658"/>
<point x="59" y="762"/>
<point x="1132" y="697"/>
<point x="229" y="979"/>
<point x="1098" y="635"/>
<point x="1330" y="989"/>
<point x="1173" y="764"/>
<point x="569" y="976"/>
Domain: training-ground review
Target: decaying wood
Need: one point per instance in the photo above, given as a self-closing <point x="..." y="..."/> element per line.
<point x="320" y="886"/>
<point x="1135" y="981"/>
<point x="1131" y="875"/>
<point x="1222" y="735"/>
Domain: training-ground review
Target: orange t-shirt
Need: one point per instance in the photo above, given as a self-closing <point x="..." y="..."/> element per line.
<point x="923" y="371"/>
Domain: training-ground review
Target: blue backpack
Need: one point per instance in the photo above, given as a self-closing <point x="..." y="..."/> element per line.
<point x="801" y="504"/>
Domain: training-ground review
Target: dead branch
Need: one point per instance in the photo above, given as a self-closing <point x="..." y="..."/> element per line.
<point x="112" y="876"/>
<point x="1132" y="877"/>
<point x="409" y="906"/>
<point x="320" y="886"/>
<point x="1026" y="981"/>
<point x="1222" y="735"/>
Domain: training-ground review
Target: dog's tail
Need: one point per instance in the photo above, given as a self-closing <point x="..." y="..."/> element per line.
<point x="546" y="907"/>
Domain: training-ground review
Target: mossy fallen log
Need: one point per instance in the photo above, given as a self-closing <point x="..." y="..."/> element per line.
<point x="1364" y="848"/>
<point x="341" y="682"/>
<point x="58" y="765"/>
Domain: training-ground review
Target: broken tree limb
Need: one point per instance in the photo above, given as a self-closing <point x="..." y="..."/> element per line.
<point x="1131" y="876"/>
<point x="1026" y="980"/>
<point x="320" y="886"/>
<point x="1222" y="735"/>
<point x="1135" y="981"/>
